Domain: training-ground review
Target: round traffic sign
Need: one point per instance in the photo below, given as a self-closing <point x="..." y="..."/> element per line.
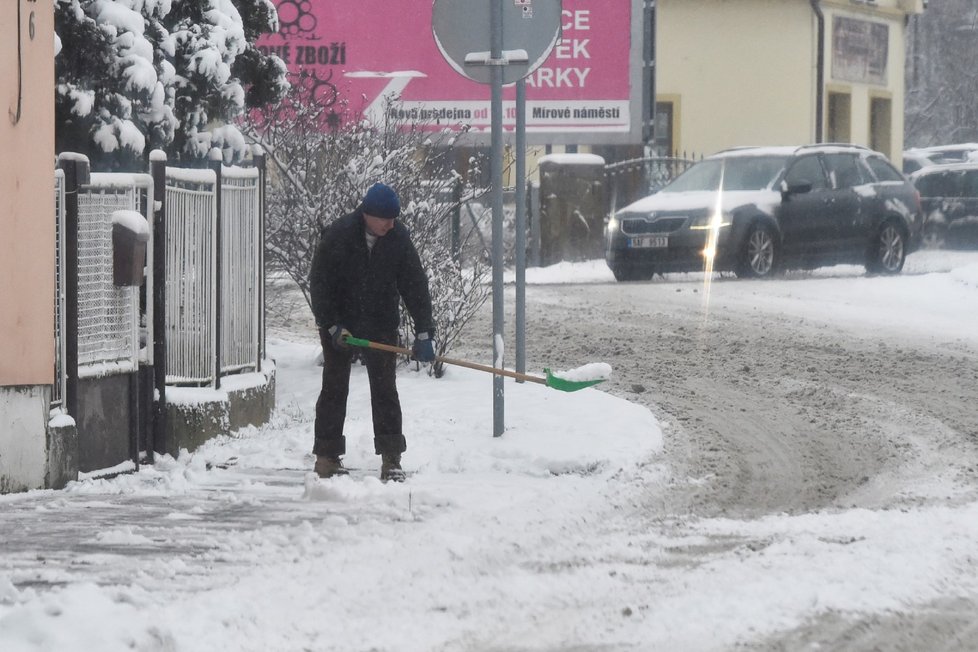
<point x="461" y="28"/>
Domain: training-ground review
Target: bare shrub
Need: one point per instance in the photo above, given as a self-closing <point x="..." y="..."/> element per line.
<point x="321" y="163"/>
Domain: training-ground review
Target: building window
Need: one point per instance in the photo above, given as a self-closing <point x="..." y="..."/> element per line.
<point x="840" y="118"/>
<point x="881" y="125"/>
<point x="859" y="50"/>
<point x="663" y="129"/>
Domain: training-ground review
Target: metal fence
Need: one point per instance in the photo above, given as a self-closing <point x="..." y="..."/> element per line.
<point x="191" y="261"/>
<point x="635" y="178"/>
<point x="213" y="274"/>
<point x="241" y="272"/>
<point x="213" y="285"/>
<point x="108" y="315"/>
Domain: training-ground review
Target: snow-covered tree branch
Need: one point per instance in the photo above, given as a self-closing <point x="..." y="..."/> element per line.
<point x="136" y="75"/>
<point x="942" y="52"/>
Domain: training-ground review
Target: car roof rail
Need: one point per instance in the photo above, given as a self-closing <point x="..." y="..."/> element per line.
<point x="798" y="148"/>
<point x="849" y="145"/>
<point x="737" y="149"/>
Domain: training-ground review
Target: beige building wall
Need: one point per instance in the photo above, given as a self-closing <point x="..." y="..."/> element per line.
<point x="27" y="192"/>
<point x="744" y="72"/>
<point x="738" y="73"/>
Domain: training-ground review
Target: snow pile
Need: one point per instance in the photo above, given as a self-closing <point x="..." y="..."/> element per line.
<point x="441" y="541"/>
<point x="82" y="617"/>
<point x="966" y="275"/>
<point x="588" y="372"/>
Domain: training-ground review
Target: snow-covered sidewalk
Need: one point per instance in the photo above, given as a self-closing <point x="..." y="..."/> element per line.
<point x="239" y="547"/>
<point x="558" y="536"/>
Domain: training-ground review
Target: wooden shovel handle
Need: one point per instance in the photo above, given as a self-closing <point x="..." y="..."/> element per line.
<point x="459" y="363"/>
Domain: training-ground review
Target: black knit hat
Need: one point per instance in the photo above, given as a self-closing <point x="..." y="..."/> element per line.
<point x="381" y="201"/>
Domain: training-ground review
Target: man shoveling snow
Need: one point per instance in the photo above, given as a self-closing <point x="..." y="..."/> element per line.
<point x="364" y="265"/>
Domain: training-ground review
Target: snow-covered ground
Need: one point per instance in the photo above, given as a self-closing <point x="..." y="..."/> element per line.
<point x="548" y="538"/>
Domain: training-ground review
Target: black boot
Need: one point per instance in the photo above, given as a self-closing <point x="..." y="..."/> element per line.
<point x="327" y="467"/>
<point x="390" y="469"/>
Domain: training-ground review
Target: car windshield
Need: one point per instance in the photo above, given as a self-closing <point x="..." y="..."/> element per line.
<point x="739" y="173"/>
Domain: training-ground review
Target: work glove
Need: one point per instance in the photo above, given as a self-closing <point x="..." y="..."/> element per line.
<point x="424" y="348"/>
<point x="338" y="333"/>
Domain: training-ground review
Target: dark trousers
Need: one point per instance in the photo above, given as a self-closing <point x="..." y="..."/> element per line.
<point x="384" y="402"/>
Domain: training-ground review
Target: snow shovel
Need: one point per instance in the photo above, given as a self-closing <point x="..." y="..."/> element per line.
<point x="555" y="382"/>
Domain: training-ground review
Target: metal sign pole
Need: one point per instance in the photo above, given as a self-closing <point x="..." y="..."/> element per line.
<point x="496" y="110"/>
<point x="521" y="36"/>
<point x="521" y="226"/>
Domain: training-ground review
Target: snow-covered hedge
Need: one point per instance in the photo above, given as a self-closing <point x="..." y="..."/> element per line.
<point x="137" y="75"/>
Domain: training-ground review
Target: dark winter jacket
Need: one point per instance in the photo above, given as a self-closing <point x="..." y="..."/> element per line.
<point x="359" y="289"/>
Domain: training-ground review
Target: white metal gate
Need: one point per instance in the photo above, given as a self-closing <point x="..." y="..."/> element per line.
<point x="191" y="271"/>
<point x="241" y="272"/>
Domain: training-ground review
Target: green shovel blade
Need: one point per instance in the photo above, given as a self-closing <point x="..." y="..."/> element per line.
<point x="564" y="385"/>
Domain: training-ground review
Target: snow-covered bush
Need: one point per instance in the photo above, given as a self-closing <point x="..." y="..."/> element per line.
<point x="136" y="75"/>
<point x="319" y="169"/>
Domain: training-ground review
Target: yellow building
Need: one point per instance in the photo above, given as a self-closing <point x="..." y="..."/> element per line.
<point x="27" y="242"/>
<point x="780" y="72"/>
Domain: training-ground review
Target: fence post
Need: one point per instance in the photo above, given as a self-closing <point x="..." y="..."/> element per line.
<point x="612" y="175"/>
<point x="457" y="221"/>
<point x="76" y="171"/>
<point x="258" y="156"/>
<point x="216" y="160"/>
<point x="158" y="169"/>
<point x="534" y="189"/>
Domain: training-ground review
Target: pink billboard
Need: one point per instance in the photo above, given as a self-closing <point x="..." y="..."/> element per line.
<point x="360" y="51"/>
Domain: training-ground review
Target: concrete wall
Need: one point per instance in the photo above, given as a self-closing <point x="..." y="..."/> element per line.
<point x="23" y="453"/>
<point x="195" y="415"/>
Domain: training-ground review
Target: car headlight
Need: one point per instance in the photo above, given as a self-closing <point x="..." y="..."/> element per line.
<point x="612" y="225"/>
<point x="706" y="222"/>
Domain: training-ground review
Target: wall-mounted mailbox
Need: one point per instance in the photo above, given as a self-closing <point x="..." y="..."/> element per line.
<point x="130" y="233"/>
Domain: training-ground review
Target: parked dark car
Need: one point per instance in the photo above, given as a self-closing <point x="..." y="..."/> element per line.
<point x="780" y="207"/>
<point x="949" y="196"/>
<point x="955" y="153"/>
<point x="914" y="160"/>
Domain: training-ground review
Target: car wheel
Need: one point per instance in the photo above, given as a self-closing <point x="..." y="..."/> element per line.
<point x="631" y="273"/>
<point x="888" y="250"/>
<point x="759" y="253"/>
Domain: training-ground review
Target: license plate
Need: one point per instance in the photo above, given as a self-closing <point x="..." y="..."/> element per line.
<point x="649" y="242"/>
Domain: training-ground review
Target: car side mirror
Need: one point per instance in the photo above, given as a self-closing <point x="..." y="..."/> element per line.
<point x="797" y="188"/>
